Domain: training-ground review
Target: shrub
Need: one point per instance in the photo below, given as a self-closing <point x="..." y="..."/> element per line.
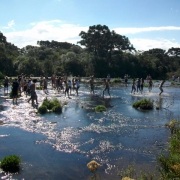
<point x="57" y="109"/>
<point x="10" y="163"/>
<point x="100" y="108"/>
<point x="42" y="109"/>
<point x="53" y="105"/>
<point x="143" y="104"/>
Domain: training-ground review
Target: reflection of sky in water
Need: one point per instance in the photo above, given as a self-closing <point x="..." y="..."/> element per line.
<point x="100" y="135"/>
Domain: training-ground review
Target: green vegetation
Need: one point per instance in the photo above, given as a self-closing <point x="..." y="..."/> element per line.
<point x="170" y="163"/>
<point x="105" y="52"/>
<point x="143" y="104"/>
<point x="39" y="88"/>
<point x="42" y="109"/>
<point x="50" y="105"/>
<point x="100" y="108"/>
<point x="10" y="163"/>
<point x="117" y="80"/>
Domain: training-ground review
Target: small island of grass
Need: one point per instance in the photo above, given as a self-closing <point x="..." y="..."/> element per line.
<point x="10" y="163"/>
<point x="100" y="108"/>
<point x="50" y="106"/>
<point x="144" y="104"/>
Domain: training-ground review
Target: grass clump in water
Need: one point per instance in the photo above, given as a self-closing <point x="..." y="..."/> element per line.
<point x="100" y="108"/>
<point x="117" y="80"/>
<point x="143" y="104"/>
<point x="42" y="109"/>
<point x="10" y="163"/>
<point x="50" y="105"/>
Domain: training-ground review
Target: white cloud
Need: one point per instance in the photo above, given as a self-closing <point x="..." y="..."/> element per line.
<point x="46" y="30"/>
<point x="146" y="44"/>
<point x="146" y="29"/>
<point x="10" y="25"/>
<point x="63" y="32"/>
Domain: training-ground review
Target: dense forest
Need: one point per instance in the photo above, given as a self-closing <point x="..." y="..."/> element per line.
<point x="99" y="52"/>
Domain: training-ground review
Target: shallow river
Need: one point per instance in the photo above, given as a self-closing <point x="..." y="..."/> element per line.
<point x="56" y="146"/>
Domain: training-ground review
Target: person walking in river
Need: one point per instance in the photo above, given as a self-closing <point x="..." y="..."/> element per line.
<point x="160" y="87"/>
<point x="33" y="93"/>
<point x="77" y="86"/>
<point x="6" y="83"/>
<point x="106" y="82"/>
<point x="150" y="84"/>
<point x="141" y="84"/>
<point x="91" y="82"/>
<point x="15" y="88"/>
<point x="133" y="86"/>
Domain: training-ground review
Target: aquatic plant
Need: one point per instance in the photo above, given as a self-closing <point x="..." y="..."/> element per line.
<point x="100" y="108"/>
<point x="143" y="104"/>
<point x="130" y="173"/>
<point x="57" y="109"/>
<point x="170" y="163"/>
<point x="117" y="80"/>
<point x="51" y="106"/>
<point x="42" y="109"/>
<point x="10" y="163"/>
<point x="39" y="88"/>
<point x="127" y="178"/>
<point x="93" y="165"/>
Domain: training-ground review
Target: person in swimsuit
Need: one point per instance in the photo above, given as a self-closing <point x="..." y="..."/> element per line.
<point x="160" y="87"/>
<point x="106" y="82"/>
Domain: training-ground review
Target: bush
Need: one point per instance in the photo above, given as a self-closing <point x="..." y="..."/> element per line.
<point x="57" y="109"/>
<point x="100" y="108"/>
<point x="42" y="109"/>
<point x="53" y="105"/>
<point x="10" y="163"/>
<point x="143" y="104"/>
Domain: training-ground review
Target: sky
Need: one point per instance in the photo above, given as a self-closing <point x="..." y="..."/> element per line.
<point x="147" y="23"/>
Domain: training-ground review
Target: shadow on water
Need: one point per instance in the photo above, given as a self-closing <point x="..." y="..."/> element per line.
<point x="57" y="146"/>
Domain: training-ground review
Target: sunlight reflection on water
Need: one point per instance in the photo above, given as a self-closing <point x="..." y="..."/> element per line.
<point x="98" y="135"/>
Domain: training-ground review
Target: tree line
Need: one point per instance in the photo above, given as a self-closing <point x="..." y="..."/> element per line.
<point x="99" y="52"/>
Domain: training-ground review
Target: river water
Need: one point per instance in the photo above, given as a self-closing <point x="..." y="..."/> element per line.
<point x="54" y="146"/>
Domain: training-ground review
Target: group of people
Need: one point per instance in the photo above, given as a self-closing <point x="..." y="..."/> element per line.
<point x="106" y="85"/>
<point x="22" y="84"/>
<point x="66" y="85"/>
<point x="62" y="83"/>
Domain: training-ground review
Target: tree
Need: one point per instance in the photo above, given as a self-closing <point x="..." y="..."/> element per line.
<point x="174" y="52"/>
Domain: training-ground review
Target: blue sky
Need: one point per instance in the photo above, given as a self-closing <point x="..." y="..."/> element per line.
<point x="147" y="23"/>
